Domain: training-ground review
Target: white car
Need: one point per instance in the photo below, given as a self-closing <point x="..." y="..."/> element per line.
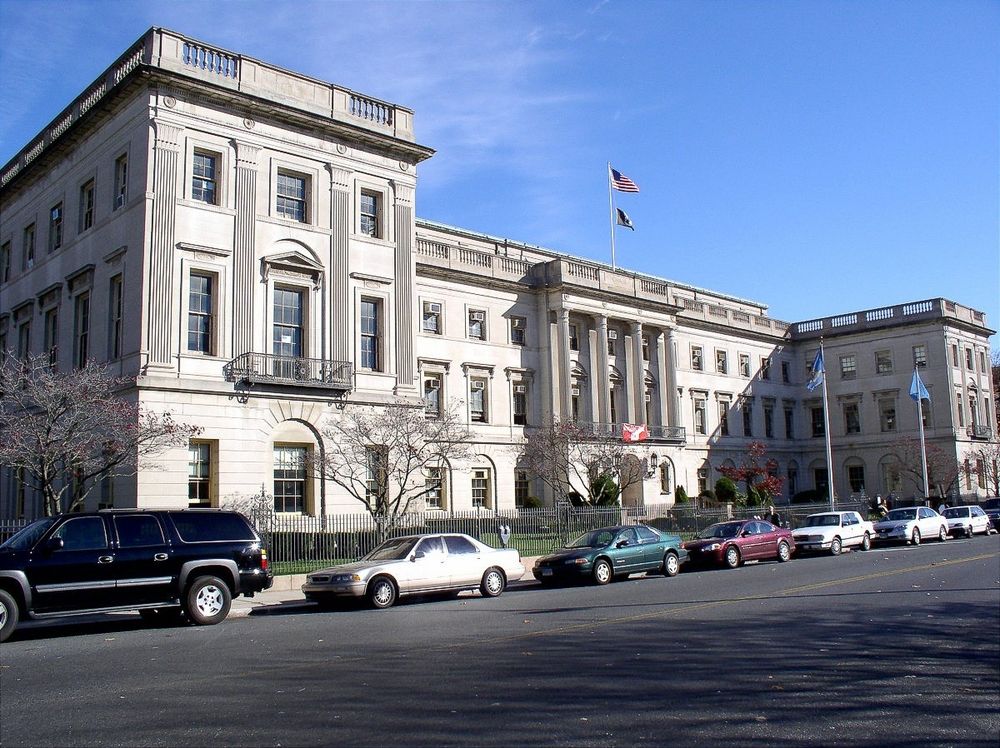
<point x="912" y="524"/>
<point x="416" y="564"/>
<point x="967" y="520"/>
<point x="834" y="531"/>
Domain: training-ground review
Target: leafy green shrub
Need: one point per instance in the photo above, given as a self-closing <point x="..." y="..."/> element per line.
<point x="605" y="491"/>
<point x="680" y="495"/>
<point x="725" y="490"/>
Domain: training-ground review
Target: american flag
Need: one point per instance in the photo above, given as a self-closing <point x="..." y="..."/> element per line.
<point x="622" y="183"/>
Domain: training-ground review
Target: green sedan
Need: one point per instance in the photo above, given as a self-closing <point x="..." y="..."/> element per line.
<point x="613" y="552"/>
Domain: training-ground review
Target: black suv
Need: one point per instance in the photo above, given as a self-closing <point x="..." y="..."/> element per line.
<point x="159" y="562"/>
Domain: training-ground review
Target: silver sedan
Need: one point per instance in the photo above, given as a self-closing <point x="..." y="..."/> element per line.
<point x="415" y="564"/>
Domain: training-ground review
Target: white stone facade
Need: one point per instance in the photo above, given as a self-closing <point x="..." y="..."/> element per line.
<point x="205" y="220"/>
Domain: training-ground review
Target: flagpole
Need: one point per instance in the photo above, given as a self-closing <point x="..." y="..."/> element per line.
<point x="920" y="424"/>
<point x="826" y="428"/>
<point x="611" y="206"/>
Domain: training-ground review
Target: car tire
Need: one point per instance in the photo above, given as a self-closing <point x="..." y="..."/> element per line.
<point x="915" y="537"/>
<point x="866" y="542"/>
<point x="493" y="583"/>
<point x="207" y="601"/>
<point x="671" y="564"/>
<point x="9" y="614"/>
<point x="836" y="546"/>
<point x="942" y="534"/>
<point x="602" y="573"/>
<point x="732" y="557"/>
<point x="382" y="593"/>
<point x="784" y="552"/>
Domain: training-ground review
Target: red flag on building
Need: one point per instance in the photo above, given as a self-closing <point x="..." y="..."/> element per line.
<point x="632" y="432"/>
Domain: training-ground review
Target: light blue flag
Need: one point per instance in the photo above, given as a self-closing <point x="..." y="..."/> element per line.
<point x="917" y="390"/>
<point x="817" y="372"/>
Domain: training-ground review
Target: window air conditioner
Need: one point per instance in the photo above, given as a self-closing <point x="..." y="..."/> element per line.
<point x="477" y="316"/>
<point x="520" y="389"/>
<point x="432" y="308"/>
<point x="479" y="385"/>
<point x="612" y="335"/>
<point x="575" y="392"/>
<point x="433" y="384"/>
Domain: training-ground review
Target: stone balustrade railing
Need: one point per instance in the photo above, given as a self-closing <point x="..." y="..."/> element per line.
<point x="887" y="317"/>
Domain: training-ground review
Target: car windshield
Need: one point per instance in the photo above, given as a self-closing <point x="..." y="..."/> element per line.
<point x="898" y="514"/>
<point x="957" y="511"/>
<point x="823" y="520"/>
<point x="26" y="537"/>
<point x="395" y="549"/>
<point x="722" y="530"/>
<point x="593" y="539"/>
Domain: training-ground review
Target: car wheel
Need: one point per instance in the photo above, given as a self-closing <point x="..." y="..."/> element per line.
<point x="382" y="592"/>
<point x="732" y="557"/>
<point x="8" y="615"/>
<point x="836" y="546"/>
<point x="915" y="538"/>
<point x="207" y="601"/>
<point x="493" y="583"/>
<point x="866" y="542"/>
<point x="943" y="534"/>
<point x="602" y="571"/>
<point x="784" y="552"/>
<point x="671" y="564"/>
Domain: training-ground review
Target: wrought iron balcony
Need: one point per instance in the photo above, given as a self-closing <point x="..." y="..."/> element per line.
<point x="981" y="432"/>
<point x="268" y="368"/>
<point x="673" y="434"/>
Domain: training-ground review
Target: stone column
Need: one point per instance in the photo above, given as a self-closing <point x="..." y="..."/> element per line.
<point x="166" y="154"/>
<point x="637" y="377"/>
<point x="602" y="380"/>
<point x="245" y="248"/>
<point x="565" y="389"/>
<point x="338" y="271"/>
<point x="671" y="382"/>
<point x="405" y="272"/>
<point x="663" y="386"/>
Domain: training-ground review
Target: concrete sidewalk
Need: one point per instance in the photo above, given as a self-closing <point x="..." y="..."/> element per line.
<point x="286" y="594"/>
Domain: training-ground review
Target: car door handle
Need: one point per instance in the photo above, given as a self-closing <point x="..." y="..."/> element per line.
<point x="105" y="559"/>
<point x="160" y="556"/>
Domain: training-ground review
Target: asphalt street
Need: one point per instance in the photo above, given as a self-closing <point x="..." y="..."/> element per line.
<point x="897" y="646"/>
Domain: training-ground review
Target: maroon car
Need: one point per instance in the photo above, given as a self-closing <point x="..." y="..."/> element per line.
<point x="732" y="543"/>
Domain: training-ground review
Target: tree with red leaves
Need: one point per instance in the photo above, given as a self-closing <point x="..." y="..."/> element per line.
<point x="756" y="473"/>
<point x="62" y="433"/>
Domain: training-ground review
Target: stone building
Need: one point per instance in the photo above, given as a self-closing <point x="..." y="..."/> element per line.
<point x="243" y="239"/>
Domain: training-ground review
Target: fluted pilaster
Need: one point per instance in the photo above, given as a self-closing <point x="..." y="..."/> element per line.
<point x="564" y="385"/>
<point x="166" y="154"/>
<point x="338" y="265"/>
<point x="674" y="398"/>
<point x="244" y="247"/>
<point x="603" y="379"/>
<point x="405" y="360"/>
<point x="637" y="377"/>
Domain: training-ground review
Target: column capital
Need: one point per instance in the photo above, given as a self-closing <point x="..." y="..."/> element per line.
<point x="404" y="193"/>
<point x="340" y="178"/>
<point x="168" y="134"/>
<point x="246" y="154"/>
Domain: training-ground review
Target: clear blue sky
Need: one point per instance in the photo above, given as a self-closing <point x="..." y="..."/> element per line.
<point x="821" y="157"/>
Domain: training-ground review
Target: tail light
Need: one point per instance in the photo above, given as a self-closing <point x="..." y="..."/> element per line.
<point x="263" y="560"/>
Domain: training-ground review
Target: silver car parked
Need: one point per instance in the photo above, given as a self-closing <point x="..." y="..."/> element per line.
<point x="414" y="564"/>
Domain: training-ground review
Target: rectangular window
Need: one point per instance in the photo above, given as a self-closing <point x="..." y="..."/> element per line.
<point x="747" y="418"/>
<point x="887" y="415"/>
<point x="431" y="317"/>
<point x="478" y="401"/>
<point x="785" y="375"/>
<point x="925" y="412"/>
<point x="115" y="307"/>
<point x="744" y="364"/>
<point x="920" y="355"/>
<point x="291" y="198"/>
<point x="287" y="331"/>
<point x="574" y="339"/>
<point x="613" y="405"/>
<point x="4" y="262"/>
<point x="377" y="475"/>
<point x="789" y="423"/>
<point x="818" y="426"/>
<point x="982" y="362"/>
<point x="87" y="205"/>
<point x="28" y="248"/>
<point x="434" y="497"/>
<point x="960" y="410"/>
<point x="481" y="492"/>
<point x="55" y="227"/>
<point x="574" y="402"/>
<point x="702" y="480"/>
<point x="852" y="418"/>
<point x="81" y="330"/>
<point x="724" y="417"/>
<point x="856" y="478"/>
<point x="968" y="359"/>
<point x="370" y="214"/>
<point x="520" y="395"/>
<point x="645" y="348"/>
<point x="697" y="363"/>
<point x="883" y="362"/>
<point x="700" y="425"/>
<point x="432" y="395"/>
<point x="477" y="324"/>
<point x="848" y="366"/>
<point x="522" y="488"/>
<point x="200" y="313"/>
<point x="371" y="334"/>
<point x="765" y="368"/>
<point x="954" y="354"/>
<point x="199" y="474"/>
<point x="612" y="341"/>
<point x="518" y="330"/>
<point x="768" y="421"/>
<point x="121" y="181"/>
<point x="980" y="472"/>
<point x="24" y="341"/>
<point x="722" y="362"/>
<point x="289" y="479"/>
<point x="51" y="333"/>
<point x="204" y="178"/>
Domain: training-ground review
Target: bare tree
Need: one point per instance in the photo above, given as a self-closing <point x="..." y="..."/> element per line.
<point x="989" y="456"/>
<point x="389" y="457"/>
<point x="942" y="467"/>
<point x="62" y="433"/>
<point x="258" y="508"/>
<point x="574" y="459"/>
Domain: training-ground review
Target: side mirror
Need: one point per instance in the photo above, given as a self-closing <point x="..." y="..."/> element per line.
<point x="54" y="544"/>
<point x="745" y="534"/>
<point x="621" y="544"/>
<point x="416" y="555"/>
